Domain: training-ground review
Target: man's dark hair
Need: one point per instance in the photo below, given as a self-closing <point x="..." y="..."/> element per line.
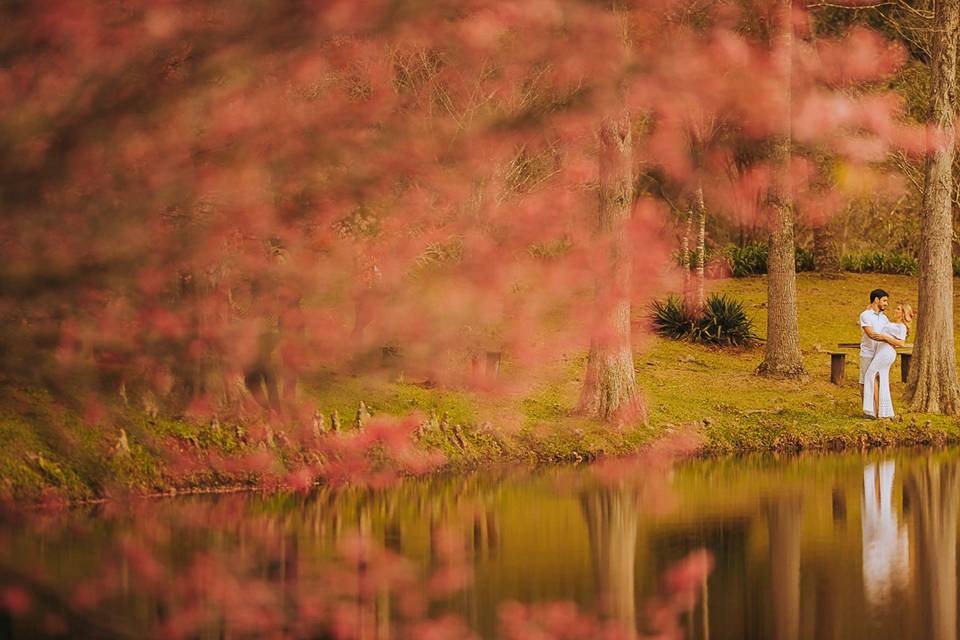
<point x="878" y="293"/>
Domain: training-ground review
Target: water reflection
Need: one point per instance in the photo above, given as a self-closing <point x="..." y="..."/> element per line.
<point x="784" y="520"/>
<point x="497" y="554"/>
<point x="886" y="542"/>
<point x="933" y="487"/>
<point x="612" y="521"/>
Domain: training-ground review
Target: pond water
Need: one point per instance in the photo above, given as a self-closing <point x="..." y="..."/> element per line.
<point x="815" y="546"/>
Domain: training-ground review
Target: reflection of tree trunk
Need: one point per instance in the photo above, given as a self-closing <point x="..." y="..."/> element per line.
<point x="290" y="559"/>
<point x="366" y="610"/>
<point x="934" y="492"/>
<point x="829" y="609"/>
<point x="611" y="515"/>
<point x="382" y="612"/>
<point x="784" y="517"/>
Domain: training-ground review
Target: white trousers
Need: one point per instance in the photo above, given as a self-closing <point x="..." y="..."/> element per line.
<point x="879" y="367"/>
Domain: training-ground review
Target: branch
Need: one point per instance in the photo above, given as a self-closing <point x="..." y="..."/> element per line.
<point x="903" y="164"/>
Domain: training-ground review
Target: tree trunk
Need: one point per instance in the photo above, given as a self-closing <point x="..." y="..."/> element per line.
<point x="932" y="386"/>
<point x="609" y="387"/>
<point x="701" y="247"/>
<point x="782" y="358"/>
<point x="687" y="259"/>
<point x="826" y="251"/>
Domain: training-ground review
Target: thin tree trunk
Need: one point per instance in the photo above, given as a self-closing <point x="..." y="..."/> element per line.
<point x="609" y="387"/>
<point x="782" y="358"/>
<point x="687" y="258"/>
<point x="701" y="246"/>
<point x="826" y="251"/>
<point x="932" y="386"/>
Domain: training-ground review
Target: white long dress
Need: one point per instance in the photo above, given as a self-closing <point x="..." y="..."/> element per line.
<point x="884" y="357"/>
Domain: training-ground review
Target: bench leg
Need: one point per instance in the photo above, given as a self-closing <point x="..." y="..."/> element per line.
<point x="905" y="366"/>
<point x="837" y="367"/>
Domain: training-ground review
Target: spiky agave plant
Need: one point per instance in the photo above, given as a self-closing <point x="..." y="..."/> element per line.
<point x="724" y="323"/>
<point x="671" y="318"/>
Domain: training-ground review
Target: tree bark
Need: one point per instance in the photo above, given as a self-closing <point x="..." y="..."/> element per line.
<point x="700" y="299"/>
<point x="932" y="386"/>
<point x="826" y="251"/>
<point x="686" y="257"/>
<point x="782" y="358"/>
<point x="609" y="387"/>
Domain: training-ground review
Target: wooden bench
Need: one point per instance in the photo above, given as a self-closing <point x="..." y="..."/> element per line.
<point x="838" y="361"/>
<point x="838" y="365"/>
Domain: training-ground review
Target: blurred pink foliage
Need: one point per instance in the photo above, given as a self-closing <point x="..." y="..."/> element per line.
<point x="206" y="203"/>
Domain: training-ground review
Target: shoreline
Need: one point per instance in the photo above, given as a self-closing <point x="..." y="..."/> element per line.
<point x="910" y="436"/>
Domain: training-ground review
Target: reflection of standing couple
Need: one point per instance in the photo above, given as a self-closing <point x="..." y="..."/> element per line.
<point x="878" y="343"/>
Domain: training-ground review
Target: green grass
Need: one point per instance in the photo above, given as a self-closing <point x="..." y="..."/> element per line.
<point x="45" y="446"/>
<point x="686" y="383"/>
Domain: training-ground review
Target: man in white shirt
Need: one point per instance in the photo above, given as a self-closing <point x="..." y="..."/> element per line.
<point x="872" y="321"/>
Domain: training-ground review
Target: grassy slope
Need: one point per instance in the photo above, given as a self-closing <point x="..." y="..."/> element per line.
<point x="744" y="412"/>
<point x="683" y="384"/>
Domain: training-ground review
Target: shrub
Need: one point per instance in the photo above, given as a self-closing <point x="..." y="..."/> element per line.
<point x="881" y="262"/>
<point x="672" y="319"/>
<point x="747" y="260"/>
<point x="751" y="259"/>
<point x="709" y="255"/>
<point x="723" y="322"/>
<point x="804" y="258"/>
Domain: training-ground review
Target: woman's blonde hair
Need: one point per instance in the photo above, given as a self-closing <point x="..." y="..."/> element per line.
<point x="907" y="313"/>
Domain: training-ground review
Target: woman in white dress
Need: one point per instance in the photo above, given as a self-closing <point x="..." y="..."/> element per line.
<point x="877" y="402"/>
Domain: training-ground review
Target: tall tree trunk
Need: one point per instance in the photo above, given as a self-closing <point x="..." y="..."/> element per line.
<point x="701" y="246"/>
<point x="609" y="387"/>
<point x="826" y="251"/>
<point x="782" y="358"/>
<point x="932" y="386"/>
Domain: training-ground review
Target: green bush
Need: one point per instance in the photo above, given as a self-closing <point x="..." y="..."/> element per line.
<point x="751" y="259"/>
<point x="881" y="262"/>
<point x="723" y="322"/>
<point x="804" y="259"/>
<point x="748" y="260"/>
<point x="709" y="255"/>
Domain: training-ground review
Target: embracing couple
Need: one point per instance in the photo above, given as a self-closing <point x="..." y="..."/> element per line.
<point x="878" y="342"/>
